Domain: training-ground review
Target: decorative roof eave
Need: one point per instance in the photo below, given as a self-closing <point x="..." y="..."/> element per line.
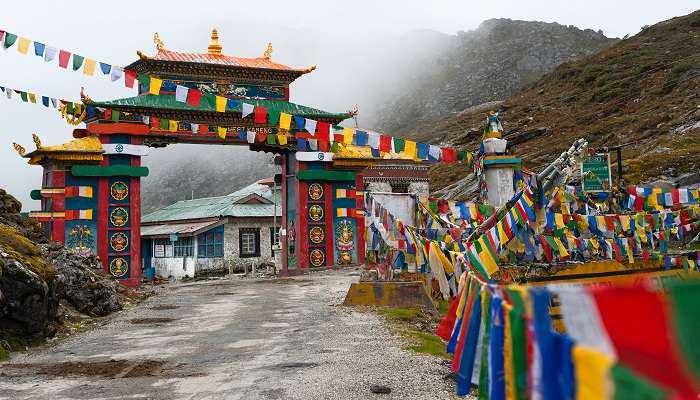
<point x="216" y="71"/>
<point x="88" y="148"/>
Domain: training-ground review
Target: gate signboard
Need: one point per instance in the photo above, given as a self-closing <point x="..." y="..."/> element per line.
<point x="595" y="171"/>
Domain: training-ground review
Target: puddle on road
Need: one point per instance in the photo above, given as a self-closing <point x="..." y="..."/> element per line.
<point x="108" y="369"/>
<point x="224" y="294"/>
<point x="149" y="321"/>
<point x="296" y="365"/>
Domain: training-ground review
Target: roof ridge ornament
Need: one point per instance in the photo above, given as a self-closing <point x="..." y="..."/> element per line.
<point x="214" y="46"/>
<point x="19" y="149"/>
<point x="268" y="51"/>
<point x="160" y="45"/>
<point x="37" y="141"/>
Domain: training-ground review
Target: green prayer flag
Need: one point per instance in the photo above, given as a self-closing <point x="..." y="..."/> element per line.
<point x="10" y="39"/>
<point x="484" y="372"/>
<point x="164" y="123"/>
<point x="399" y="145"/>
<point x="686" y="310"/>
<point x="461" y="155"/>
<point x="335" y="147"/>
<point x="69" y="108"/>
<point x="273" y="117"/>
<point x="24" y="97"/>
<point x="77" y="61"/>
<point x="630" y="386"/>
<point x="115" y="115"/>
<point x="271" y="139"/>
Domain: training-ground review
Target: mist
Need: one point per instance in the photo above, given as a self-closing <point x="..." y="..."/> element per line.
<point x="366" y="51"/>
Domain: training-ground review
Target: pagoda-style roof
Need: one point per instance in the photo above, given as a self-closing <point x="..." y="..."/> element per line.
<point x="215" y="64"/>
<point x="88" y="148"/>
<point x="148" y="103"/>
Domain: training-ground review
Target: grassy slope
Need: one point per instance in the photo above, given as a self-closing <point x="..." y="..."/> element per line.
<point x="635" y="92"/>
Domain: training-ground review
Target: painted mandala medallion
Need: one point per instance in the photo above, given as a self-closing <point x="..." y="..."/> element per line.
<point x="119" y="217"/>
<point x="315" y="191"/>
<point x="317" y="258"/>
<point x="119" y="190"/>
<point x="316" y="234"/>
<point x="316" y="212"/>
<point x="118" y="241"/>
<point x="118" y="267"/>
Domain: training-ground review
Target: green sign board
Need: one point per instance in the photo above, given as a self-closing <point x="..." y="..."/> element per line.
<point x="595" y="170"/>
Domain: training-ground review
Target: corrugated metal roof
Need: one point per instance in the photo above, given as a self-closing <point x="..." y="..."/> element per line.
<point x="223" y="206"/>
<point x="181" y="229"/>
<point x="221" y="59"/>
<point x="207" y="103"/>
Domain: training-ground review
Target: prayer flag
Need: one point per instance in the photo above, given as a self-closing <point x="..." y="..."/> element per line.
<point x="399" y="145"/>
<point x="32" y="97"/>
<point x="373" y="140"/>
<point x="246" y="109"/>
<point x="422" y="152"/>
<point x="434" y="153"/>
<point x="410" y="148"/>
<point x="49" y="53"/>
<point x="194" y="127"/>
<point x="299" y="122"/>
<point x="221" y="104"/>
<point x="154" y="87"/>
<point x="10" y="39"/>
<point x="45" y="101"/>
<point x="250" y="137"/>
<point x="385" y="143"/>
<point x="39" y="49"/>
<point x="260" y="115"/>
<point x="193" y="97"/>
<point x="282" y="139"/>
<point x="285" y="121"/>
<point x="117" y="73"/>
<point x="221" y="131"/>
<point x="129" y="78"/>
<point x="77" y="62"/>
<point x="310" y="126"/>
<point x="23" y="45"/>
<point x="89" y="68"/>
<point x="323" y="131"/>
<point x="63" y="58"/>
<point x="348" y="135"/>
<point x="360" y="138"/>
<point x="105" y="68"/>
<point x="181" y="93"/>
<point x="449" y="154"/>
<point x="172" y="126"/>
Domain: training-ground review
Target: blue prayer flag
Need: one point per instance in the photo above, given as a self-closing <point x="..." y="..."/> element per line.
<point x="231" y="104"/>
<point x="422" y="152"/>
<point x="39" y="49"/>
<point x="299" y="122"/>
<point x="302" y="144"/>
<point x="45" y="101"/>
<point x="106" y="68"/>
<point x="360" y="138"/>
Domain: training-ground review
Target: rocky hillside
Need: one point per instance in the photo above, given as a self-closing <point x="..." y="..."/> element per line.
<point x="643" y="93"/>
<point x="39" y="281"/>
<point x="486" y="64"/>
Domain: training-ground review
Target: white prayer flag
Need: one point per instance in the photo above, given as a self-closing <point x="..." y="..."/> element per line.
<point x="146" y="120"/>
<point x="434" y="151"/>
<point x="181" y="93"/>
<point x="313" y="144"/>
<point x="49" y="53"/>
<point x="246" y="109"/>
<point x="310" y="126"/>
<point x="251" y="137"/>
<point x="54" y="102"/>
<point x="117" y="73"/>
<point x="194" y="127"/>
<point x="8" y="92"/>
<point x="683" y="195"/>
<point x="668" y="199"/>
<point x="373" y="140"/>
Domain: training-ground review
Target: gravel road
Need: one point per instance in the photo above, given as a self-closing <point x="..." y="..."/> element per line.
<point x="233" y="339"/>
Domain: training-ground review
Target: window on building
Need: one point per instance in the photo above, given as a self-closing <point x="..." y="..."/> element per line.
<point x="162" y="248"/>
<point x="184" y="247"/>
<point x="274" y="238"/>
<point x="210" y="244"/>
<point x="249" y="242"/>
<point x="399" y="187"/>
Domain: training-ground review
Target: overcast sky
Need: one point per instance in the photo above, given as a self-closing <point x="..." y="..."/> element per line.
<point x="344" y="38"/>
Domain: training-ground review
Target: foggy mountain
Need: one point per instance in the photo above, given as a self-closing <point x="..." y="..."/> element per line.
<point x="486" y="64"/>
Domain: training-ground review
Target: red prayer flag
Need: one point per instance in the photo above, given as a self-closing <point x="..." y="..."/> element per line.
<point x="675" y="196"/>
<point x="260" y="136"/>
<point x="193" y="97"/>
<point x="324" y="145"/>
<point x="108" y="113"/>
<point x="655" y="354"/>
<point x="449" y="154"/>
<point x="385" y="143"/>
<point x="323" y="131"/>
<point x="63" y="57"/>
<point x="202" y="128"/>
<point x="444" y="330"/>
<point x="260" y="115"/>
<point x="155" y="122"/>
<point x="338" y="138"/>
<point x="129" y="78"/>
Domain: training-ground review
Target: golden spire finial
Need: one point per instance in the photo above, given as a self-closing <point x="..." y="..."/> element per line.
<point x="37" y="141"/>
<point x="214" y="46"/>
<point x="268" y="51"/>
<point x="19" y="149"/>
<point x="159" y="43"/>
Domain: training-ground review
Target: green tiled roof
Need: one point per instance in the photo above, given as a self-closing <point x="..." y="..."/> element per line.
<point x="222" y="206"/>
<point x="207" y="103"/>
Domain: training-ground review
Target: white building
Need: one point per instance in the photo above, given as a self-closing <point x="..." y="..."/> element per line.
<point x="214" y="233"/>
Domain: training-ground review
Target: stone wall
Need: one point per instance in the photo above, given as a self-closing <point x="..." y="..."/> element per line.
<point x="231" y="233"/>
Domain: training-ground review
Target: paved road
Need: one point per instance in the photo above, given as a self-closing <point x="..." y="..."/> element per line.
<point x="282" y="339"/>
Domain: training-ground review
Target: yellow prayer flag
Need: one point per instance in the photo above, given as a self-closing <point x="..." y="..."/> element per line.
<point x="625" y="222"/>
<point x="221" y="131"/>
<point x="89" y="67"/>
<point x="486" y="258"/>
<point x="508" y="353"/>
<point x="501" y="232"/>
<point x="591" y="370"/>
<point x="348" y="134"/>
<point x="23" y="45"/>
<point x="221" y="103"/>
<point x="285" y="121"/>
<point x="561" y="247"/>
<point x="32" y="97"/>
<point x="155" y="86"/>
<point x="172" y="126"/>
<point x="410" y="148"/>
<point x="600" y="221"/>
<point x="282" y="139"/>
<point x="559" y="220"/>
